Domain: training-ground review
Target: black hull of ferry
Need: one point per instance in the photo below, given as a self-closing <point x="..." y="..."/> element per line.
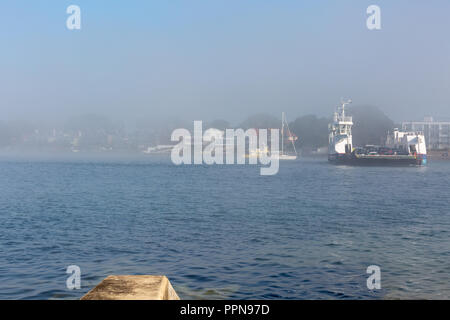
<point x="390" y="161"/>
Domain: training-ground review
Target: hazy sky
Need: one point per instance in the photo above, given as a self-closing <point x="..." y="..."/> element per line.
<point x="222" y="59"/>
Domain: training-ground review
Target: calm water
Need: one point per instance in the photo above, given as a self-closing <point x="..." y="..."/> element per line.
<point x="225" y="231"/>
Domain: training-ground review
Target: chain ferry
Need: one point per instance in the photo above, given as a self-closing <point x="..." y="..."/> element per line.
<point x="401" y="148"/>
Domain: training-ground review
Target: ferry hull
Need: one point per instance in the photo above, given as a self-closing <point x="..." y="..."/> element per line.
<point x="349" y="159"/>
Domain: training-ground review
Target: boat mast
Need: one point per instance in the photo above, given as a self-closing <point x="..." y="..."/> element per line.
<point x="282" y="133"/>
<point x="291" y="137"/>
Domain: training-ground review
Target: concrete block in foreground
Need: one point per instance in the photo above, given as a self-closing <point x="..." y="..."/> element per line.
<point x="133" y="288"/>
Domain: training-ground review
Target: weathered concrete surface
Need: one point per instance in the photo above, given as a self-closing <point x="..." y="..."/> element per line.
<point x="133" y="288"/>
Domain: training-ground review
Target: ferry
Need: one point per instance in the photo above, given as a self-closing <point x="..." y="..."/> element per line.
<point x="401" y="148"/>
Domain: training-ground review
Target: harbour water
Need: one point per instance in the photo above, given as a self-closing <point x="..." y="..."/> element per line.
<point x="309" y="232"/>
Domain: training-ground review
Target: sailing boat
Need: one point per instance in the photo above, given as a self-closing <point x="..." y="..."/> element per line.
<point x="284" y="155"/>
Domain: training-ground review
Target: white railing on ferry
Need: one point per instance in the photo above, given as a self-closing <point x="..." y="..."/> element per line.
<point x="345" y="119"/>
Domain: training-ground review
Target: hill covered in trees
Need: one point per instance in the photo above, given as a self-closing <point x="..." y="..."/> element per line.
<point x="312" y="132"/>
<point x="371" y="126"/>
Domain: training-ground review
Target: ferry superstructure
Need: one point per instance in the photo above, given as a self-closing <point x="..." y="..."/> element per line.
<point x="340" y="134"/>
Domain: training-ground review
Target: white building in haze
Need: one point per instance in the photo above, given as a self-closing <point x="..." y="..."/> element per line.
<point x="437" y="133"/>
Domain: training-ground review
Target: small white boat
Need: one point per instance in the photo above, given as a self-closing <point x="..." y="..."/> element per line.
<point x="284" y="157"/>
<point x="159" y="149"/>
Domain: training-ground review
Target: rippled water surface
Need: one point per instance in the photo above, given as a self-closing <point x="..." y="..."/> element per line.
<point x="225" y="231"/>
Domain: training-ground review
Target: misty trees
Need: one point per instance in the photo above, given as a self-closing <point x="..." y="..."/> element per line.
<point x="312" y="132"/>
<point x="5" y="135"/>
<point x="218" y="124"/>
<point x="94" y="132"/>
<point x="261" y="121"/>
<point x="16" y="132"/>
<point x="371" y="125"/>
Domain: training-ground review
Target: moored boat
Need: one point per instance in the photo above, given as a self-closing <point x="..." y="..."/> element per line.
<point x="286" y="134"/>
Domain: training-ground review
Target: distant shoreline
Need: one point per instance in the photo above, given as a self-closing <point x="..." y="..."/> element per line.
<point x="442" y="155"/>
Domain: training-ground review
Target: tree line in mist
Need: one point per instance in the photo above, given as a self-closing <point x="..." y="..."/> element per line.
<point x="371" y="126"/>
<point x="98" y="133"/>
